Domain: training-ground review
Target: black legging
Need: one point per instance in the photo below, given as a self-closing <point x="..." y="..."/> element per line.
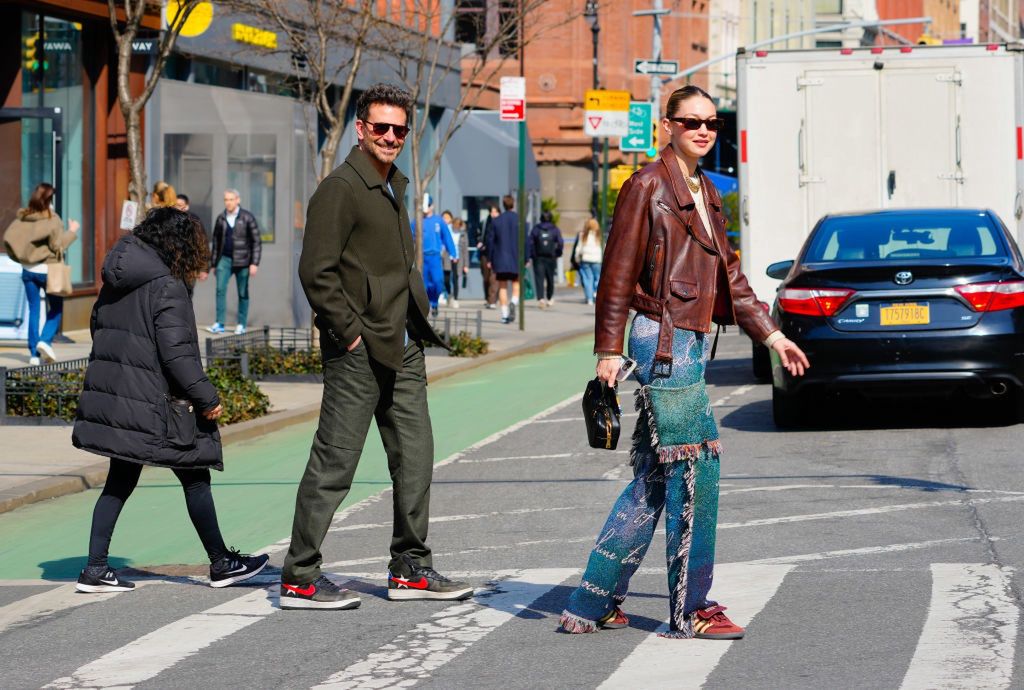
<point x="121" y="481"/>
<point x="544" y="272"/>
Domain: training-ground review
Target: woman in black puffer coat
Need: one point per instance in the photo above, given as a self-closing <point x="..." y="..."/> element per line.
<point x="146" y="399"/>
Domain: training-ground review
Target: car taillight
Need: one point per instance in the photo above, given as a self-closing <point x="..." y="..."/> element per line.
<point x="993" y="296"/>
<point x="814" y="302"/>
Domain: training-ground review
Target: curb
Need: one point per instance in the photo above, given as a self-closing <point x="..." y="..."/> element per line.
<point x="91" y="476"/>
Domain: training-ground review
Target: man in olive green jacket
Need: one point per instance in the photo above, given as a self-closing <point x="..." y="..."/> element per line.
<point x="359" y="274"/>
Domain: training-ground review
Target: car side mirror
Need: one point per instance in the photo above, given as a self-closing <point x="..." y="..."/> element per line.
<point x="779" y="269"/>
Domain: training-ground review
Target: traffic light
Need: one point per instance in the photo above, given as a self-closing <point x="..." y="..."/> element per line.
<point x="33" y="58"/>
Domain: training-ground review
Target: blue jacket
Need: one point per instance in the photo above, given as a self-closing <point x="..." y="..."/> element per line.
<point x="436" y="234"/>
<point x="503" y="243"/>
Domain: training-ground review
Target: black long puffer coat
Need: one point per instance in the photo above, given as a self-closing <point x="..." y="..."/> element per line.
<point x="145" y="386"/>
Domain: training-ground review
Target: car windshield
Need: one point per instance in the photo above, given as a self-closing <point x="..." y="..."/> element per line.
<point x="898" y="237"/>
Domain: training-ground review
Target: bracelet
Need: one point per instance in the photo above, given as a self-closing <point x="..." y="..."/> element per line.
<point x="607" y="355"/>
<point x="774" y="337"/>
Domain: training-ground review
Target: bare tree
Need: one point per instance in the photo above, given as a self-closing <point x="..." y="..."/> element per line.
<point x="326" y="41"/>
<point x="126" y="32"/>
<point x="421" y="55"/>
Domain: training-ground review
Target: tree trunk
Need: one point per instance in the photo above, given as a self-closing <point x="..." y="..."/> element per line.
<point x="137" y="185"/>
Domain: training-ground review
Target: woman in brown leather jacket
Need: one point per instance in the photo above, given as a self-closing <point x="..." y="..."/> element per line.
<point x="667" y="258"/>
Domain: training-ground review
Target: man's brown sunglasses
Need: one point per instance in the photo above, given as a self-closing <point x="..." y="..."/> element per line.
<point x="714" y="124"/>
<point x="379" y="129"/>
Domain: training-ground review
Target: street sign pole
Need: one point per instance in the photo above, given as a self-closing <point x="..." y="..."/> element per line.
<point x="522" y="224"/>
<point x="656" y="54"/>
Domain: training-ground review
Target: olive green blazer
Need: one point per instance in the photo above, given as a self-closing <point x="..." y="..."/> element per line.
<point x="358" y="266"/>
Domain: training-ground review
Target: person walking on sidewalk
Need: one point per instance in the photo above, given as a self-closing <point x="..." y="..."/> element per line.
<point x="668" y="259"/>
<point x="454" y="266"/>
<point x="359" y="274"/>
<point x="490" y="282"/>
<point x="36" y="239"/>
<point x="543" y="247"/>
<point x="503" y="255"/>
<point x="436" y="237"/>
<point x="236" y="252"/>
<point x="146" y="399"/>
<point x="588" y="253"/>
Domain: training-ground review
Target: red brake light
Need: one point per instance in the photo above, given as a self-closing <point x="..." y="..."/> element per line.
<point x="815" y="302"/>
<point x="993" y="296"/>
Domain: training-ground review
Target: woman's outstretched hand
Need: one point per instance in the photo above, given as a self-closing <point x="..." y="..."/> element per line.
<point x="793" y="358"/>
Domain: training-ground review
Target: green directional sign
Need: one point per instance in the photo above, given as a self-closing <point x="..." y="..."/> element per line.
<point x="640" y="133"/>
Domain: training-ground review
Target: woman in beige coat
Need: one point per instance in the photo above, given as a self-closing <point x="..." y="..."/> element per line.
<point x="36" y="239"/>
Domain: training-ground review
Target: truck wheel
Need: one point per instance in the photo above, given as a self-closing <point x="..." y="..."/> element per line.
<point x="788" y="411"/>
<point x="762" y="362"/>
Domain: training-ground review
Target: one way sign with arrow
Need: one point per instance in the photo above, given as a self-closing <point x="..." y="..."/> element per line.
<point x="667" y="67"/>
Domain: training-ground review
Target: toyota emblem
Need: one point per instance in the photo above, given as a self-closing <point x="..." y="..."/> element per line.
<point x="904" y="278"/>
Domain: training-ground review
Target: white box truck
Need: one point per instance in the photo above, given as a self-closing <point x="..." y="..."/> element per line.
<point x="830" y="130"/>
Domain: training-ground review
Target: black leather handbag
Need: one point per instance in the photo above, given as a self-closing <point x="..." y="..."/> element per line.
<point x="601" y="413"/>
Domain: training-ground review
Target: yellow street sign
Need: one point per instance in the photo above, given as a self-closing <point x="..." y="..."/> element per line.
<point x="618" y="175"/>
<point x="198" y="21"/>
<point x="603" y="99"/>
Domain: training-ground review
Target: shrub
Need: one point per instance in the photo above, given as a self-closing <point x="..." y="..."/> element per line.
<point x="49" y="394"/>
<point x="269" y="361"/>
<point x="463" y="344"/>
<point x="242" y="398"/>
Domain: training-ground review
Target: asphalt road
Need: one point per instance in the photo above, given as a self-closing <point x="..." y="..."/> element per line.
<point x="877" y="553"/>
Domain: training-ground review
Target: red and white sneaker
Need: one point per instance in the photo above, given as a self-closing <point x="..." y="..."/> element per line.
<point x="410" y="580"/>
<point x="712" y="624"/>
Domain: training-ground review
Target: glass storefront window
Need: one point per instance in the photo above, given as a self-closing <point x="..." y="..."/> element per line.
<point x="54" y="80"/>
<point x="252" y="159"/>
<point x="188" y="167"/>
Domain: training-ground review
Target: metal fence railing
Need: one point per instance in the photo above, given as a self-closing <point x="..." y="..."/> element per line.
<point x="279" y="338"/>
<point x="449" y="322"/>
<point x="45" y="391"/>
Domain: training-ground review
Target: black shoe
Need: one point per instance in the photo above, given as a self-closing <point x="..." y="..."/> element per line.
<point x="319" y="594"/>
<point x="415" y="581"/>
<point x="433" y="312"/>
<point x="102" y="579"/>
<point x="235" y="567"/>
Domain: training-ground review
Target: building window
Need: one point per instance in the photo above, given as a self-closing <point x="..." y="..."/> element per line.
<point x="188" y="167"/>
<point x="508" y="18"/>
<point x="471" y="26"/>
<point x="828" y="6"/>
<point x="252" y="159"/>
<point x="470" y="21"/>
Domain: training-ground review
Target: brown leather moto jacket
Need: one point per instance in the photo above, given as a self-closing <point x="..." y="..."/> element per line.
<point x="661" y="261"/>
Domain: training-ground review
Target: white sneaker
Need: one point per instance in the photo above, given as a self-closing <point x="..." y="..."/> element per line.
<point x="442" y="301"/>
<point x="46" y="350"/>
<point x="455" y="304"/>
<point x="239" y="329"/>
<point x="215" y="328"/>
<point x="33" y="361"/>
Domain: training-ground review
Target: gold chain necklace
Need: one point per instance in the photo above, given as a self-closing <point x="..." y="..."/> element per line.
<point x="693" y="183"/>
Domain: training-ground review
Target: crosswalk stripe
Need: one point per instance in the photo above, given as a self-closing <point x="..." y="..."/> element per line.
<point x="658" y="662"/>
<point x="968" y="637"/>
<point x="417" y="653"/>
<point x="161" y="649"/>
<point x="47" y="603"/>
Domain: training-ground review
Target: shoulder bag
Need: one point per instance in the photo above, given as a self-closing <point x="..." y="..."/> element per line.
<point x="58" y="277"/>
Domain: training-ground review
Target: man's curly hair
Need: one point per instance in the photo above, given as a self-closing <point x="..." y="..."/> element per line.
<point x="178" y="239"/>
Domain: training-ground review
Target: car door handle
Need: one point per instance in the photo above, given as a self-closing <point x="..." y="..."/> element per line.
<point x="891" y="184"/>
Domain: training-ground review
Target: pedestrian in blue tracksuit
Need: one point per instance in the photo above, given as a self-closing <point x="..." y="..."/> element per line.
<point x="435" y="235"/>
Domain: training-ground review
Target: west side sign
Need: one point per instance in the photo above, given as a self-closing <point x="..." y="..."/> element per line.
<point x="606" y="113"/>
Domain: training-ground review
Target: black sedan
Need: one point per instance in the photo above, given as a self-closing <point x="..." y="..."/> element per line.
<point x="902" y="303"/>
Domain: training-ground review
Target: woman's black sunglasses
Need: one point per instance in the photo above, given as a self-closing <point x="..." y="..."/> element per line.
<point x="379" y="129"/>
<point x="714" y="124"/>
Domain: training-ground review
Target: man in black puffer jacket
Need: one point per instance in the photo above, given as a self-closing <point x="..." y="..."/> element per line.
<point x="237" y="249"/>
<point x="146" y="399"/>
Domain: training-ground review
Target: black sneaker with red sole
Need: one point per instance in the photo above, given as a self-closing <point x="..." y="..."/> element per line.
<point x="410" y="581"/>
<point x="319" y="594"/>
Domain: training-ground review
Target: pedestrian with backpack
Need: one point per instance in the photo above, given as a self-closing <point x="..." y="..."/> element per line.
<point x="543" y="247"/>
<point x="146" y="399"/>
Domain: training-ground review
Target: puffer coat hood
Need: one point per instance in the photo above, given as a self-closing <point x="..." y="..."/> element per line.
<point x="145" y="387"/>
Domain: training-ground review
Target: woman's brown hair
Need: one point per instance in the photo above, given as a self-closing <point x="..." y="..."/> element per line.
<point x="684" y="94"/>
<point x="589" y="228"/>
<point x="39" y="202"/>
<point x="163" y="194"/>
<point x="178" y="239"/>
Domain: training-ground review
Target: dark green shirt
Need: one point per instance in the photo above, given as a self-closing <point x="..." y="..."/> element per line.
<point x="358" y="266"/>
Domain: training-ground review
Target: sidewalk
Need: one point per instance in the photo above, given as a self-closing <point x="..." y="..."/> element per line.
<point x="46" y="465"/>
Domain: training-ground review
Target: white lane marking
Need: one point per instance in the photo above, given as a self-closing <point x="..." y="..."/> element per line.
<point x="968" y="637"/>
<point x="559" y="420"/>
<point x="550" y="456"/>
<point x="414" y="655"/>
<point x="616" y="473"/>
<point x="151" y="654"/>
<point x="664" y="663"/>
<point x="56" y="600"/>
<point x="736" y="393"/>
<point x="863" y="551"/>
<point x="457" y="518"/>
<point x="787" y="487"/>
<point x="865" y="511"/>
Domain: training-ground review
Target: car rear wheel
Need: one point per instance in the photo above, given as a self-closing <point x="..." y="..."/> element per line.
<point x="788" y="411"/>
<point x="762" y="362"/>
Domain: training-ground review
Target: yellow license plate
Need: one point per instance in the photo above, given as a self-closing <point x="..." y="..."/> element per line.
<point x="909" y="314"/>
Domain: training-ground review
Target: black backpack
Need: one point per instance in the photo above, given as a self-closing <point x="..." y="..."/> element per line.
<point x="546" y="244"/>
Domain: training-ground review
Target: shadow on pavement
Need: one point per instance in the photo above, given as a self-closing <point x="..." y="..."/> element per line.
<point x="879" y="479"/>
<point x="65" y="568"/>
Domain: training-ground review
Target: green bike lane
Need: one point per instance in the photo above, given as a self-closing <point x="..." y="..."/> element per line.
<point x="255" y="495"/>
